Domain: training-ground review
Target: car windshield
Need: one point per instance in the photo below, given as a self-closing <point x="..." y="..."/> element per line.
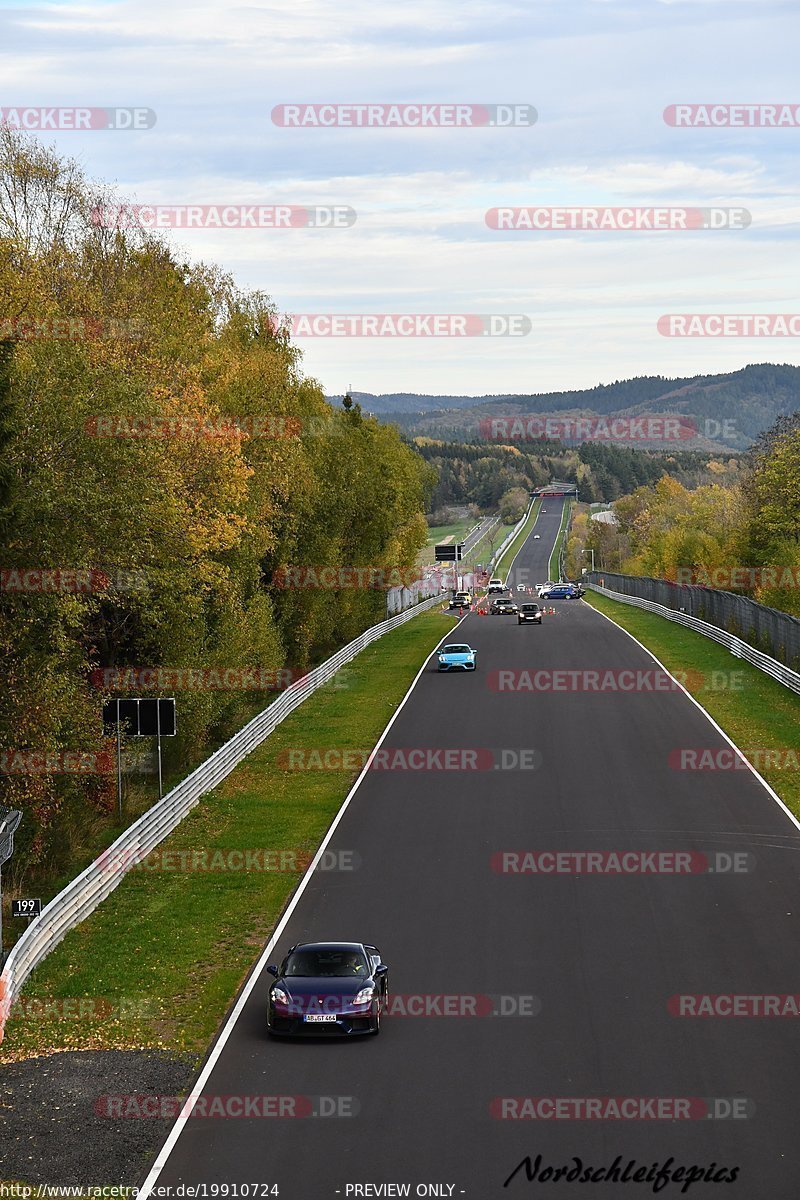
<point x="334" y="963"/>
<point x="457" y="650"/>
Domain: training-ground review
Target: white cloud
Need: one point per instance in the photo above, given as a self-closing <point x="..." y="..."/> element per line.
<point x="600" y="73"/>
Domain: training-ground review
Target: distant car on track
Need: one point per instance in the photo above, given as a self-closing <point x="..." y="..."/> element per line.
<point x="457" y="657"/>
<point x="460" y="600"/>
<point x="536" y="537"/>
<point x="542" y="587"/>
<point x="496" y="586"/>
<point x="502" y="606"/>
<point x="339" y="988"/>
<point x="529" y="612"/>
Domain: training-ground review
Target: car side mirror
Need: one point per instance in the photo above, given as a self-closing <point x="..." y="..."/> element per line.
<point x="272" y="970"/>
<point x="380" y="971"/>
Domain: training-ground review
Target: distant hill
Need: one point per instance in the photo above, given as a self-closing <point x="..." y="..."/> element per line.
<point x="749" y="399"/>
<point x="409" y="402"/>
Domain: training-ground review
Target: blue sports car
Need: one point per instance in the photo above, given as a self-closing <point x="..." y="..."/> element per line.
<point x="457" y="658"/>
<point x="338" y="988"/>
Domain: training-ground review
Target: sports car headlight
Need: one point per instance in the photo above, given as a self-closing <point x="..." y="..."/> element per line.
<point x="364" y="996"/>
<point x="278" y="996"/>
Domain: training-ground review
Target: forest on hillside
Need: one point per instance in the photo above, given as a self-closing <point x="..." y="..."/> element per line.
<point x="733" y="407"/>
<point x="738" y="532"/>
<point x="480" y="474"/>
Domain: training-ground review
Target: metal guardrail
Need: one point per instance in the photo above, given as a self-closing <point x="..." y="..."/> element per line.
<point x="770" y="666"/>
<point x="499" y="553"/>
<point x="85" y="893"/>
<point x="400" y="598"/>
<point x="564" y="534"/>
<point x="771" y="630"/>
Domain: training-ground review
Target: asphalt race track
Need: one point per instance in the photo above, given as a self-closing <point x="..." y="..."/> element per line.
<point x="586" y="962"/>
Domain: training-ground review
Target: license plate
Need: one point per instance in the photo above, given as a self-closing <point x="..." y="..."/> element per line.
<point x="317" y="1017"/>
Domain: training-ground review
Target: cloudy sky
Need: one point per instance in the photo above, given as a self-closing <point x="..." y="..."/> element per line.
<point x="599" y="73"/>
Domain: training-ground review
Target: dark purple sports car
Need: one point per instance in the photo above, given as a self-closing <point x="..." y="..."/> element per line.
<point x="339" y="988"/>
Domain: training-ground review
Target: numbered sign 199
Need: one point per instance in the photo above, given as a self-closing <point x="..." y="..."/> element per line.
<point x="26" y="908"/>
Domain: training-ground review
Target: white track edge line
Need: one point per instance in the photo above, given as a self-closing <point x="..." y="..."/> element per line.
<point x="261" y="962"/>
<point x="767" y="787"/>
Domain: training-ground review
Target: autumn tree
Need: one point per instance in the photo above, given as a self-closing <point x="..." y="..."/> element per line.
<point x="157" y="430"/>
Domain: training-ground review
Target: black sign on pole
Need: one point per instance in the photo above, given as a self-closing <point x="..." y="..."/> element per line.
<point x="140" y="716"/>
<point x="449" y="552"/>
<point x="26" y="908"/>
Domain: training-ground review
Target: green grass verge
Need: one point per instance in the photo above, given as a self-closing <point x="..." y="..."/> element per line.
<point x="483" y="549"/>
<point x="510" y="554"/>
<point x="552" y="565"/>
<point x="753" y="709"/>
<point x="457" y="531"/>
<point x="158" y="963"/>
